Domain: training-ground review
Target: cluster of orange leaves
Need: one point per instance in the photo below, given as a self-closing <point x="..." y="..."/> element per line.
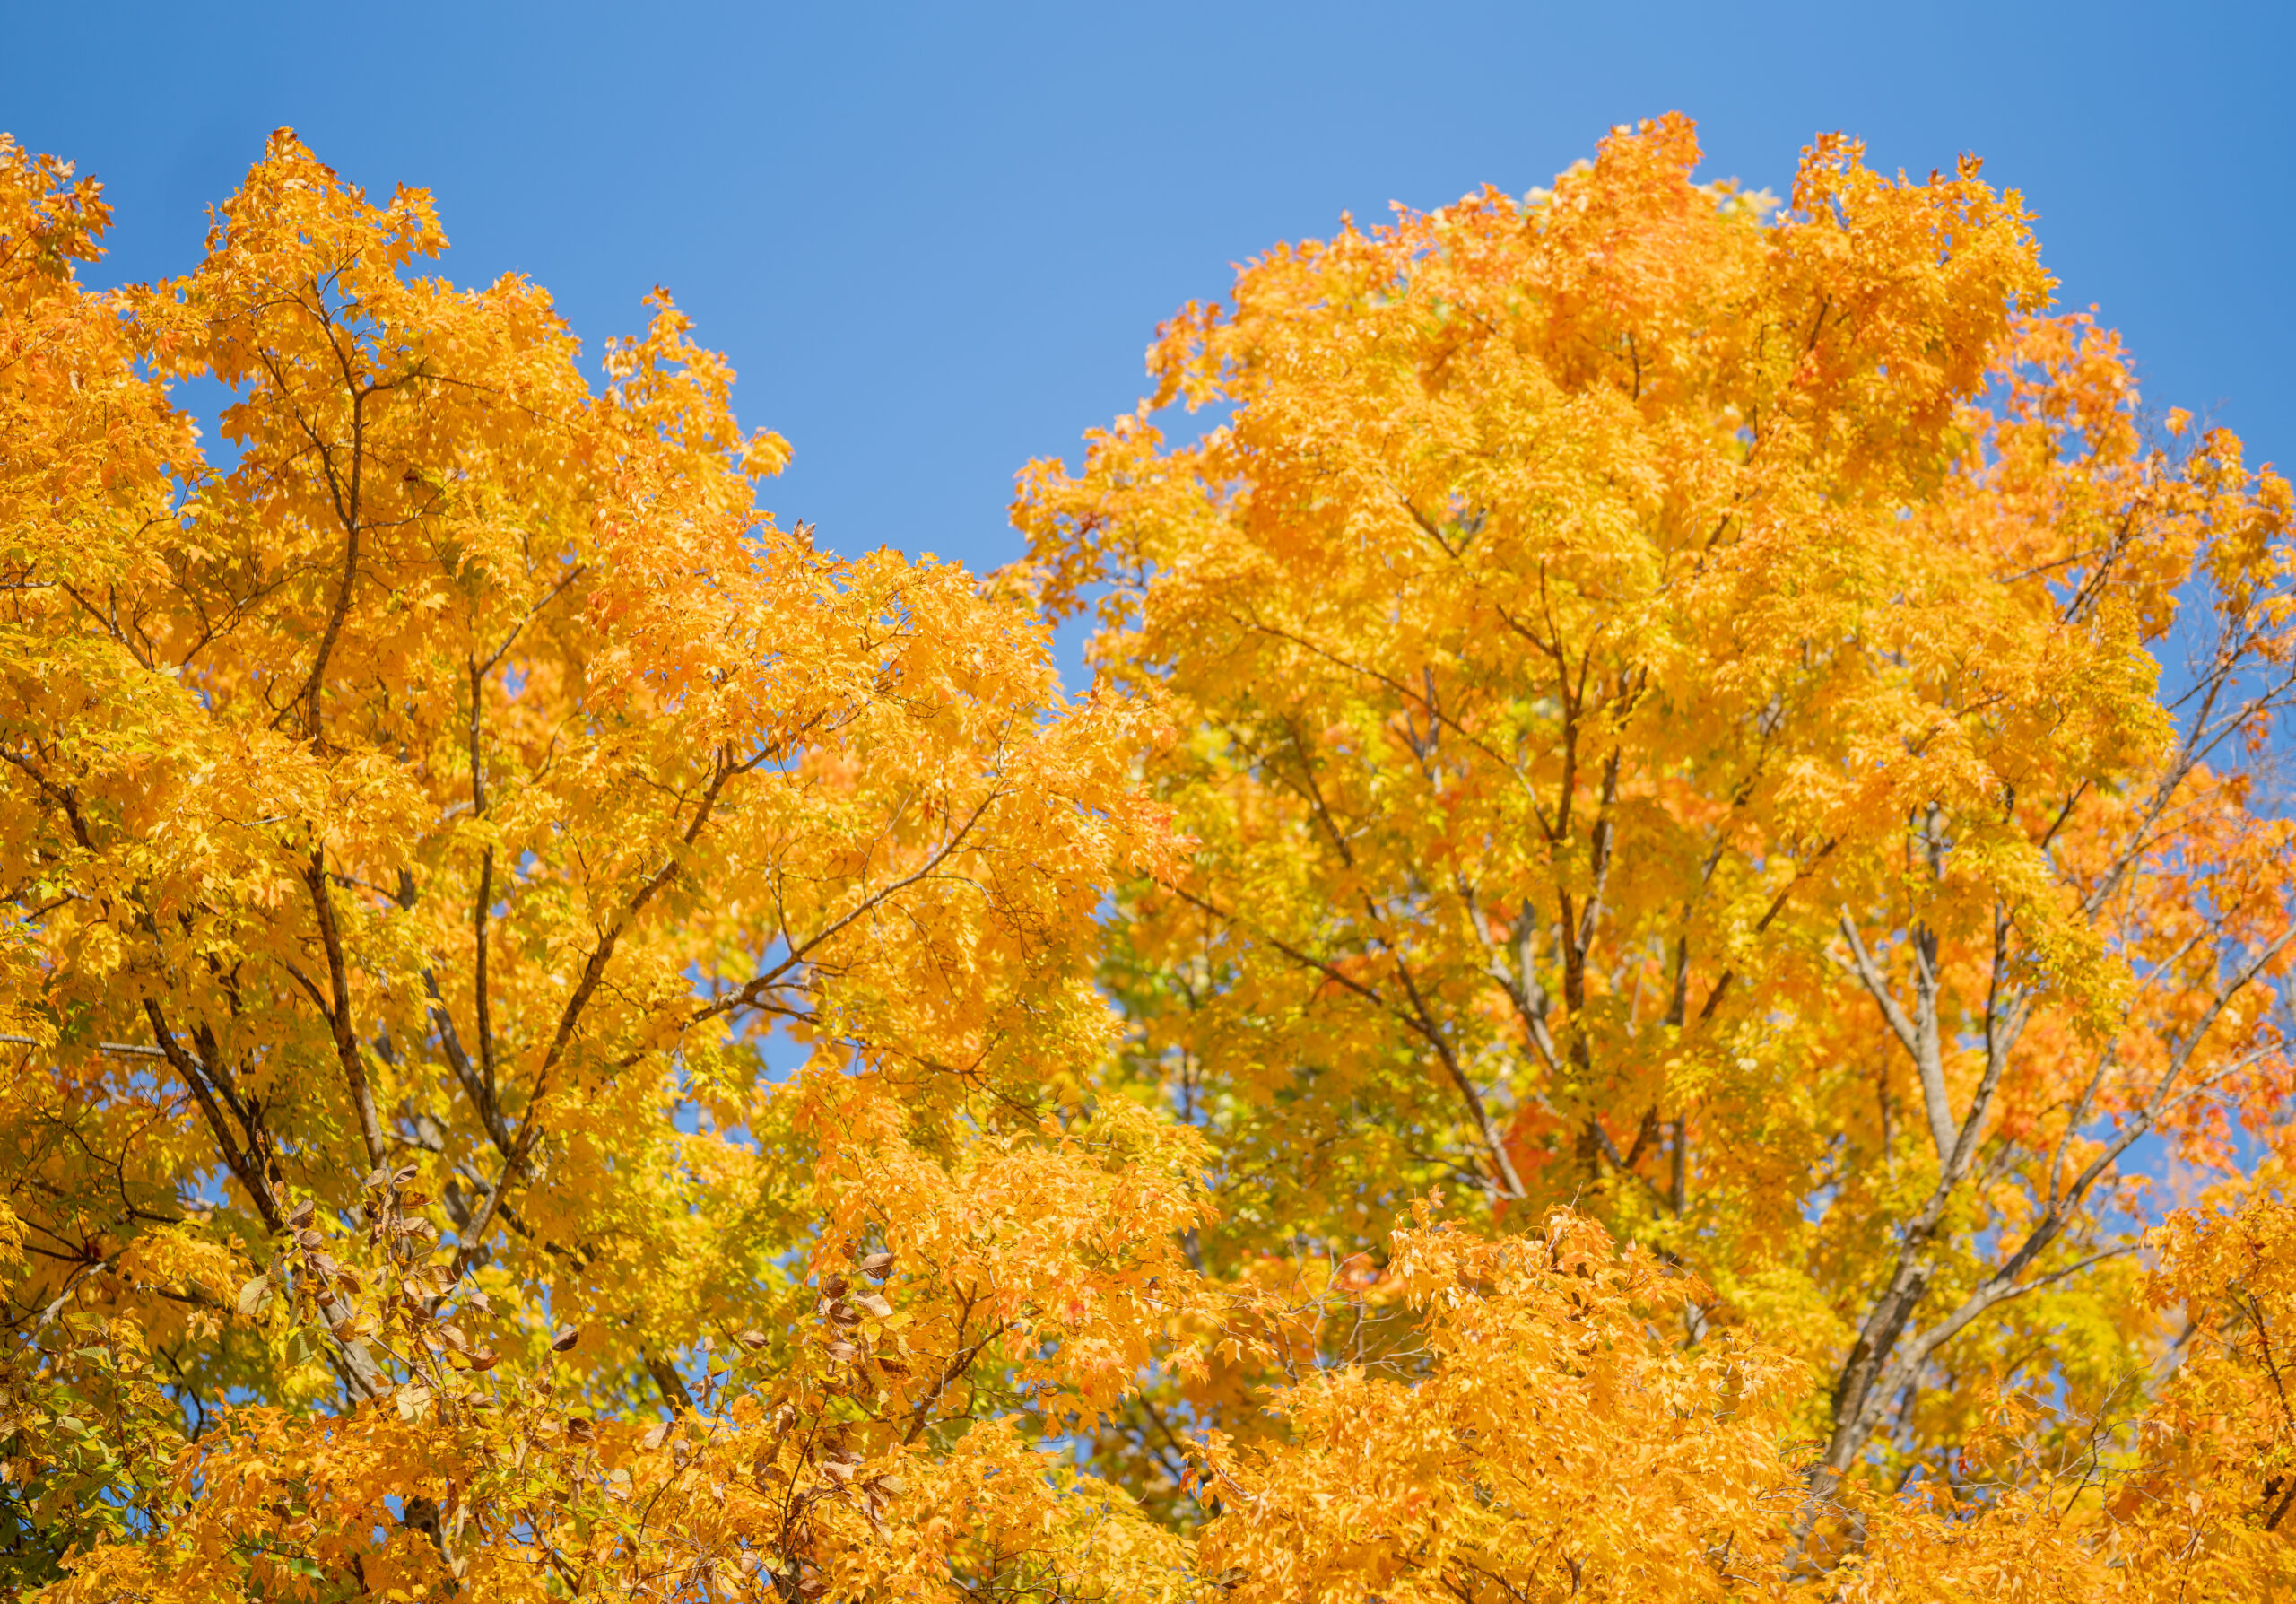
<point x="564" y="1042"/>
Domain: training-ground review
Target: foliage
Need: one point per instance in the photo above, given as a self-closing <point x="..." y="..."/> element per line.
<point x="1592" y="1004"/>
<point x="502" y="929"/>
<point x="1671" y="726"/>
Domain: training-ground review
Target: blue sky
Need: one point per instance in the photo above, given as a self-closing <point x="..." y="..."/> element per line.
<point x="935" y="239"/>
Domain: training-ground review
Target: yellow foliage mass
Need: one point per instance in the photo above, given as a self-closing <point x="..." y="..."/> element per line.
<point x="1602" y="998"/>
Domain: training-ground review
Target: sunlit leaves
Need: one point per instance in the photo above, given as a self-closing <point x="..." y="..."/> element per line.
<point x="507" y="936"/>
<point x="1674" y="724"/>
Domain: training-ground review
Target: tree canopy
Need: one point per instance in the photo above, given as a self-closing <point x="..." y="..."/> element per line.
<point x="1655" y="968"/>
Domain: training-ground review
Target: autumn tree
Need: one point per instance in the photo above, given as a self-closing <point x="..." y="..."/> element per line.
<point x="1673" y="831"/>
<point x="1728" y="716"/>
<point x="546" y="1017"/>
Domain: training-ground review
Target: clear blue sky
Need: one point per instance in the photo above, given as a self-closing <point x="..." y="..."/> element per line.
<point x="934" y="239"/>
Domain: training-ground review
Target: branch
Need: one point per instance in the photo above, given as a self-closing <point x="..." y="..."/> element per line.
<point x="129" y="1048"/>
<point x="1920" y="1045"/>
<point x="756" y="988"/>
<point x="338" y="1011"/>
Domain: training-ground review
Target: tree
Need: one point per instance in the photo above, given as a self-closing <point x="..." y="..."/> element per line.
<point x="1573" y="1015"/>
<point x="1670" y="728"/>
<point x="547" y="1014"/>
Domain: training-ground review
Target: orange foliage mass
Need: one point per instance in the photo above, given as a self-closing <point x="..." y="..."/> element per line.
<point x="1634" y="981"/>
